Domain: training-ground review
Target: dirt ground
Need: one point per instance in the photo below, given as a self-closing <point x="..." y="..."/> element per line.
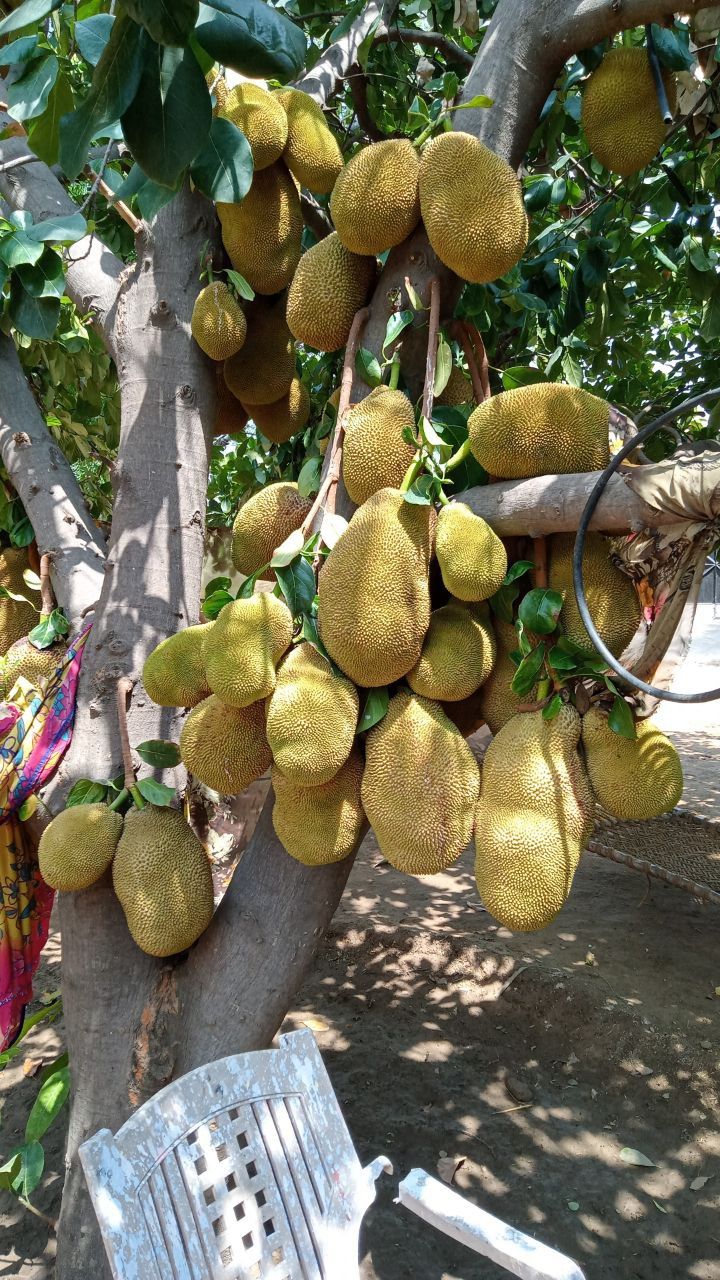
<point x="533" y="1060"/>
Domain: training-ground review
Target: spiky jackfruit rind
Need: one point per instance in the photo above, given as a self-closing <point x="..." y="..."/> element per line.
<point x="457" y="655"/>
<point x="24" y="661"/>
<point x="497" y="703"/>
<point x="329" y="286"/>
<point x="282" y="419"/>
<point x="218" y="322"/>
<point x="621" y="114"/>
<point x="244" y="646"/>
<point x="77" y="847"/>
<point x="457" y="390"/>
<point x="633" y="779"/>
<point x="264" y="522"/>
<point x="472" y="559"/>
<point x="224" y="747"/>
<point x="262" y="234"/>
<point x="17" y="617"/>
<point x="546" y="428"/>
<point x="612" y="599"/>
<point x="320" y="825"/>
<point x="375" y="202"/>
<point x="261" y="118"/>
<point x="174" y="673"/>
<point x="375" y="453"/>
<point x="263" y="371"/>
<point x="311" y="153"/>
<point x="312" y="718"/>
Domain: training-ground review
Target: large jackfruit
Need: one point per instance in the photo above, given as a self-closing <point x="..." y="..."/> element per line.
<point x="374" y="598"/>
<point x="224" y="747"/>
<point x="162" y="877"/>
<point x="375" y="454"/>
<point x="620" y="111"/>
<point x="262" y="234"/>
<point x="285" y="417"/>
<point x="312" y="717"/>
<point x="613" y="602"/>
<point x="244" y="646"/>
<point x="320" y="825"/>
<point x="262" y="119"/>
<point x="542" y="429"/>
<point x="375" y="203"/>
<point x="262" y="372"/>
<point x="78" y="846"/>
<point x="218" y="322"/>
<point x="632" y="779"/>
<point x="457" y="654"/>
<point x="472" y="559"/>
<point x="329" y="286"/>
<point x="472" y="207"/>
<point x="311" y="153"/>
<point x="496" y="700"/>
<point x="17" y="617"/>
<point x="534" y="817"/>
<point x="458" y="389"/>
<point x="420" y="786"/>
<point x="264" y="522"/>
<point x="174" y="673"/>
<point x="230" y="417"/>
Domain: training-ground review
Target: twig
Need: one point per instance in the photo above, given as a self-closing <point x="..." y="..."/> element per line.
<point x="358" y="90"/>
<point x="540" y="571"/>
<point x="435" y="39"/>
<point x="480" y="356"/>
<point x="432" y="349"/>
<point x="101" y="185"/>
<point x="458" y="329"/>
<point x="17" y="162"/>
<point x="49" y="1222"/>
<point x="46" y="591"/>
<point x="123" y="690"/>
<point x="315" y="217"/>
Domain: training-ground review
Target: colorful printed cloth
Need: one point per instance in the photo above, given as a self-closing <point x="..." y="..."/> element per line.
<point x="33" y="743"/>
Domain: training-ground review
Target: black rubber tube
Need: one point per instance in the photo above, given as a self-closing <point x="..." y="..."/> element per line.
<point x="656" y="69"/>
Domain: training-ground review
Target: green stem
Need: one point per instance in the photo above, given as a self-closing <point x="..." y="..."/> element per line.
<point x="394" y="375"/>
<point x="412" y="473"/>
<point x="124" y="795"/>
<point x="427" y="133"/>
<point x="462" y="454"/>
<point x="443" y="499"/>
<point x="138" y="799"/>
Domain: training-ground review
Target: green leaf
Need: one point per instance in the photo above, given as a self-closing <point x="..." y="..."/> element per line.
<point x="561" y="661"/>
<point x="169" y="22"/>
<point x="223" y="170"/>
<point x="214" y="602"/>
<point x="443" y="366"/>
<point x="46" y="279"/>
<point x="49" y="1101"/>
<point x="9" y="1171"/>
<point x="629" y="1155"/>
<point x="92" y="35"/>
<point x="540" y="609"/>
<point x="297" y="583"/>
<point x="32" y="12"/>
<point x="398" y="321"/>
<point x="621" y="720"/>
<point x="114" y="85"/>
<point x="22" y="50"/>
<point x="308" y="481"/>
<point x="518" y="570"/>
<point x="575" y="303"/>
<point x="32" y="1163"/>
<point x="527" y="673"/>
<point x="44" y="132"/>
<point x="252" y="38"/>
<point x="218" y="584"/>
<point x="248" y="585"/>
<point x="239" y="282"/>
<point x="28" y="97"/>
<point x="672" y="50"/>
<point x="22" y="533"/>
<point x="85" y="792"/>
<point x="168" y="121"/>
<point x="422" y="492"/>
<point x="159" y="753"/>
<point x="480" y="100"/>
<point x="368" y="368"/>
<point x="18" y="247"/>
<point x="552" y="708"/>
<point x="376" y="705"/>
<point x="49" y="630"/>
<point x="288" y="550"/>
<point x="156" y="792"/>
<point x="28" y="808"/>
<point x="594" y="266"/>
<point x="538" y="193"/>
<point x="35" y="317"/>
<point x="67" y="229"/>
<point x="503" y="600"/>
<point x="520" y="375"/>
<point x="572" y="370"/>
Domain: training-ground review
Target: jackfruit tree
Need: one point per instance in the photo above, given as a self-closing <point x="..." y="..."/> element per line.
<point x="318" y="330"/>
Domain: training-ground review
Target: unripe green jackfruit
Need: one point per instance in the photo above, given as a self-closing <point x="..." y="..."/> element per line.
<point x="311" y="153"/>
<point x="78" y="846"/>
<point x="457" y="390"/>
<point x="472" y="559"/>
<point x="542" y="429"/>
<point x="457" y="654"/>
<point x="244" y="646"/>
<point x="329" y="286"/>
<point x="312" y="717"/>
<point x="218" y="322"/>
<point x="261" y="118"/>
<point x="263" y="371"/>
<point x="174" y="673"/>
<point x="375" y="202"/>
<point x="613" y="602"/>
<point x="262" y="233"/>
<point x="375" y="454"/>
<point x="621" y="115"/>
<point x="283" y="419"/>
<point x="36" y="666"/>
<point x="320" y="825"/>
<point x="16" y="616"/>
<point x="264" y="522"/>
<point x="497" y="702"/>
<point x="224" y="747"/>
<point x="633" y="779"/>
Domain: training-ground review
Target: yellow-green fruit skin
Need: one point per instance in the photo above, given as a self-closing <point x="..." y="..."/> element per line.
<point x="230" y="418"/>
<point x="375" y="202"/>
<point x="374" y="597"/>
<point x="457" y="654"/>
<point x="472" y="207"/>
<point x="329" y="286"/>
<point x="420" y="786"/>
<point x="34" y="665"/>
<point x="224" y="747"/>
<point x="261" y="118"/>
<point x="320" y="825"/>
<point x="162" y="877"/>
<point x="457" y="390"/>
<point x="534" y="817"/>
<point x="311" y="153"/>
<point x="174" y="673"/>
<point x="218" y="323"/>
<point x="78" y="846"/>
<point x="620" y="111"/>
<point x="283" y="419"/>
<point x="542" y="429"/>
<point x="262" y="234"/>
<point x="264" y="522"/>
<point x="312" y="717"/>
<point x="247" y="640"/>
<point x="263" y="371"/>
<point x="375" y="455"/>
<point x="16" y="617"/>
<point x="632" y="779"/>
<point x="496" y="700"/>
<point x="472" y="559"/>
<point x="613" y="602"/>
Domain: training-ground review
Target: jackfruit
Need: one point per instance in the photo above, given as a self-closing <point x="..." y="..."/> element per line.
<point x="162" y="877"/>
<point x="329" y="286"/>
<point x="218" y="323"/>
<point x="320" y="825"/>
<point x="174" y="673"/>
<point x="285" y="417"/>
<point x="374" y="598"/>
<point x="224" y="747"/>
<point x="36" y="666"/>
<point x="534" y="817"/>
<point x="262" y="234"/>
<point x="219" y="90"/>
<point x="472" y="559"/>
<point x="621" y="115"/>
<point x="261" y="118"/>
<point x="633" y="780"/>
<point x="230" y="417"/>
<point x="16" y="616"/>
<point x="263" y="371"/>
<point x="457" y="654"/>
<point x="472" y="207"/>
<point x="78" y="846"/>
<point x="542" y="429"/>
<point x="311" y="153"/>
<point x="496" y="700"/>
<point x="613" y="602"/>
<point x="458" y="389"/>
<point x="375" y="203"/>
<point x="312" y="717"/>
<point x="264" y="522"/>
<point x="420" y="786"/>
<point x="375" y="455"/>
<point x="245" y="644"/>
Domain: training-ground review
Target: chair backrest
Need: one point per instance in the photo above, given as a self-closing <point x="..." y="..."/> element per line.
<point x="241" y="1170"/>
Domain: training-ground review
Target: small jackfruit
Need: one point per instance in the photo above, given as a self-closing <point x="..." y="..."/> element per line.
<point x="632" y="779"/>
<point x="375" y="454"/>
<point x="621" y="115"/>
<point x="244" y="646"/>
<point x="311" y="153"/>
<point x="285" y="417"/>
<point x="458" y="389"/>
<point x="262" y="233"/>
<point x="264" y="522"/>
<point x="320" y="825"/>
<point x="224" y="747"/>
<point x="262" y="372"/>
<point x="472" y="559"/>
<point x="37" y="666"/>
<point x="230" y="417"/>
<point x="329" y="286"/>
<point x="78" y="846"/>
<point x="218" y="322"/>
<point x="496" y="700"/>
<point x="162" y="877"/>
<point x="457" y="654"/>
<point x="420" y="786"/>
<point x="375" y="203"/>
<point x="472" y="207"/>
<point x="613" y="602"/>
<point x="17" y="617"/>
<point x="542" y="429"/>
<point x="219" y="90"/>
<point x="260" y="116"/>
<point x="174" y="673"/>
<point x="374" y="598"/>
<point x="312" y="717"/>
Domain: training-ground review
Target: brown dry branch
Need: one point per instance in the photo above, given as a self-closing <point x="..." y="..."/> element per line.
<point x="432" y="349"/>
<point x="540" y="571"/>
<point x="122" y="693"/>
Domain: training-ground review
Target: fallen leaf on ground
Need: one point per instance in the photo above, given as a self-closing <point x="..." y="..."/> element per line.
<point x="448" y="1166"/>
<point x="631" y="1156"/>
<point x="315" y="1024"/>
<point x="573" y="1205"/>
<point x="697" y="1184"/>
<point x="659" y="1206"/>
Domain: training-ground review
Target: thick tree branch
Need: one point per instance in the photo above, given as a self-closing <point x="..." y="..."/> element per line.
<point x="431" y="39"/>
<point x="358" y="89"/>
<point x="314" y="216"/>
<point x="322" y="81"/>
